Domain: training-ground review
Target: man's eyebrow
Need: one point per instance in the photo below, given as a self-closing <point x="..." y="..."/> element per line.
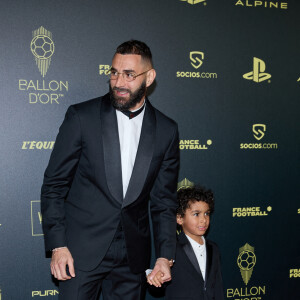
<point x="127" y="71"/>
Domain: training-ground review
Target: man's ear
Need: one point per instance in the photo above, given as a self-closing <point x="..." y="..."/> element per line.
<point x="179" y="219"/>
<point x="151" y="74"/>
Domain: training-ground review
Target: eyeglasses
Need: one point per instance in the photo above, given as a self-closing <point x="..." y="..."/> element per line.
<point x="128" y="76"/>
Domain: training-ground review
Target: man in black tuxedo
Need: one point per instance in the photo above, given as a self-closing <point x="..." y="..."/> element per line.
<point x="111" y="155"/>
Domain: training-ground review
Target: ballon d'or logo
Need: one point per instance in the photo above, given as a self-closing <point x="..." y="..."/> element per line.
<point x="185" y="183"/>
<point x="246" y="262"/>
<point x="42" y="47"/>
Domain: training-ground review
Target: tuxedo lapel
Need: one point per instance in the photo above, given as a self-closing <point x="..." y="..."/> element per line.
<point x="187" y="247"/>
<point x="208" y="260"/>
<point x="111" y="149"/>
<point x="143" y="156"/>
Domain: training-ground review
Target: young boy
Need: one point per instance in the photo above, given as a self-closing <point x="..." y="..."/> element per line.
<point x="196" y="273"/>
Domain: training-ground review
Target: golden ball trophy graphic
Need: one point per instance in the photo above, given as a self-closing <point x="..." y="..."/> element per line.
<point x="42" y="47"/>
<point x="246" y="262"/>
<point x="184" y="184"/>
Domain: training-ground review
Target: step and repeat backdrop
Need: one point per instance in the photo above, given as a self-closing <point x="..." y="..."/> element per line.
<point x="228" y="71"/>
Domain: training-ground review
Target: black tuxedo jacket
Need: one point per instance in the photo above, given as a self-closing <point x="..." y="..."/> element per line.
<point x="187" y="281"/>
<point x="82" y="197"/>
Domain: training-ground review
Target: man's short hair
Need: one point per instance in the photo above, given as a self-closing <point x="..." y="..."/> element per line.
<point x="136" y="47"/>
<point x="190" y="195"/>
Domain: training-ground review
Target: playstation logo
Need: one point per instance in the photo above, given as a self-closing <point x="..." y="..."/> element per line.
<point x="257" y="75"/>
<point x="192" y="1"/>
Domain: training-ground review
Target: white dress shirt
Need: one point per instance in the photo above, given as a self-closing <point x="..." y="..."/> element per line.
<point x="200" y="252"/>
<point x="129" y="136"/>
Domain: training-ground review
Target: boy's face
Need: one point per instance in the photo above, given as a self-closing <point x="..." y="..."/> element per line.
<point x="195" y="221"/>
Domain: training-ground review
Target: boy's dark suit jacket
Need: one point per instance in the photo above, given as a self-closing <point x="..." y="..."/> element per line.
<point x="187" y="281"/>
<point x="82" y="196"/>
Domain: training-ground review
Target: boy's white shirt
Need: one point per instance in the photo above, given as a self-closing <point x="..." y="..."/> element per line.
<point x="200" y="252"/>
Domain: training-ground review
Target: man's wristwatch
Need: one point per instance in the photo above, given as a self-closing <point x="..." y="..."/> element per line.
<point x="171" y="262"/>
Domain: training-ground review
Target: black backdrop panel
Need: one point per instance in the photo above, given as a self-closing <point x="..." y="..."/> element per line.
<point x="227" y="71"/>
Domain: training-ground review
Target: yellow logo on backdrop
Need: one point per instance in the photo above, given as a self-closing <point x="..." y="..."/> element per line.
<point x="258" y="74"/>
<point x="259" y="131"/>
<point x="36" y="218"/>
<point x="185" y="183"/>
<point x="31" y="145"/>
<point x="294" y="273"/>
<point x="44" y="293"/>
<point x="298" y="212"/>
<point x="250" y="211"/>
<point x="104" y="69"/>
<point x="246" y="262"/>
<point x="298" y="79"/>
<point x="43" y="91"/>
<point x="193" y="145"/>
<point x="196" y="62"/>
<point x="193" y="1"/>
<point x="265" y="4"/>
<point x="42" y="47"/>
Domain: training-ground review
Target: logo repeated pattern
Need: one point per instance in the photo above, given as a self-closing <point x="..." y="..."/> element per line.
<point x="258" y="74"/>
<point x="259" y="133"/>
<point x="42" y="47"/>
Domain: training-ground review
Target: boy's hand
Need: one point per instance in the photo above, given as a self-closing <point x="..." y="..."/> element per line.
<point x="156" y="280"/>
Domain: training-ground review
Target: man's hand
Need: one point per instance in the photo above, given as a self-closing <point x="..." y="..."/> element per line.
<point x="157" y="279"/>
<point x="162" y="265"/>
<point x="62" y="257"/>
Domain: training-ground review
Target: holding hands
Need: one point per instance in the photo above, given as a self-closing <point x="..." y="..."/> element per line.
<point x="161" y="272"/>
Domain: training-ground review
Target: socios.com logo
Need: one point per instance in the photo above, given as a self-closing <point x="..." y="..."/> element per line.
<point x="193" y="1"/>
<point x="195" y="56"/>
<point x="259" y="131"/>
<point x="42" y="47"/>
<point x="196" y="60"/>
<point x="258" y="73"/>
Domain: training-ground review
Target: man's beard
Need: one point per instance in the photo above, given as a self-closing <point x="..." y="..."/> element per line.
<point x="134" y="97"/>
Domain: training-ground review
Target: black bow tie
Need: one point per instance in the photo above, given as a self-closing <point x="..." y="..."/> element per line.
<point x="132" y="114"/>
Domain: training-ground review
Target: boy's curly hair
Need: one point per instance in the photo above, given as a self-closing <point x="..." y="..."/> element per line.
<point x="191" y="195"/>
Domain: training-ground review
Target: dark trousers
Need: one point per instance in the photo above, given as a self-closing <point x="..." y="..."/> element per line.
<point x="113" y="277"/>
